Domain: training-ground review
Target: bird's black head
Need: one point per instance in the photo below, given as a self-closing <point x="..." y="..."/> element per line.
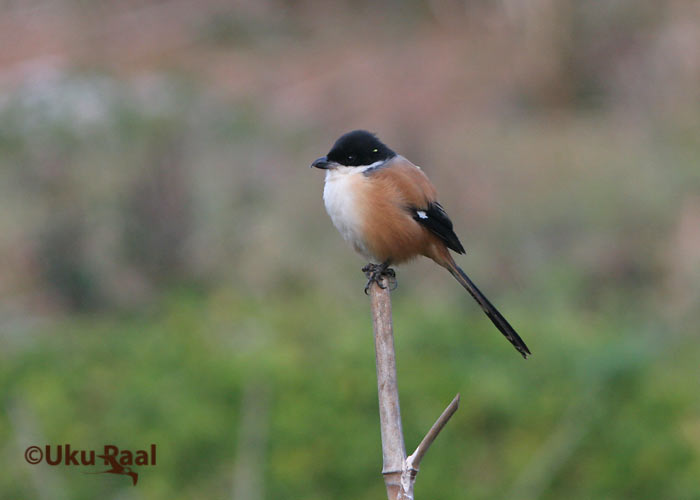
<point x="355" y="149"/>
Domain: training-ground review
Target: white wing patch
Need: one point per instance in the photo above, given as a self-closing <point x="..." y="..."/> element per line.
<point x="422" y="214"/>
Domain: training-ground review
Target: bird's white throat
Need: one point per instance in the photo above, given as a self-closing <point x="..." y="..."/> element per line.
<point x="339" y="197"/>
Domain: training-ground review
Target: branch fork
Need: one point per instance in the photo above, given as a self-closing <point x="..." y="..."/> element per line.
<point x="399" y="470"/>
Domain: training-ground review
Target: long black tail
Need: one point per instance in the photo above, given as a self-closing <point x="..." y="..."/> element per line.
<point x="493" y="314"/>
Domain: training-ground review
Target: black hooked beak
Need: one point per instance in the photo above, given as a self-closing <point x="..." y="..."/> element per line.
<point x="321" y="162"/>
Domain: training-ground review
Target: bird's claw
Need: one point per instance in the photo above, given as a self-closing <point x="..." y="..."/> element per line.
<point x="375" y="273"/>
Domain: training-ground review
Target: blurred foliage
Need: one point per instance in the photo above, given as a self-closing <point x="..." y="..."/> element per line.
<point x="613" y="416"/>
<point x="169" y="274"/>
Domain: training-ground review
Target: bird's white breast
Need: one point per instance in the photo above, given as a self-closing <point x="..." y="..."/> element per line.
<point x="340" y="197"/>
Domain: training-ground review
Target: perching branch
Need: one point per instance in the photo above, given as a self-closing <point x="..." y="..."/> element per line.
<point x="399" y="472"/>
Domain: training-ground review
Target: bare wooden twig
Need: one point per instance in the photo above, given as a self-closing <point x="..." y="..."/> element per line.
<point x="398" y="470"/>
<point x="417" y="456"/>
<point x="393" y="449"/>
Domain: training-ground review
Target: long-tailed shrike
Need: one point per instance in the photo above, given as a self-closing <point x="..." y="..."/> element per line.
<point x="387" y="209"/>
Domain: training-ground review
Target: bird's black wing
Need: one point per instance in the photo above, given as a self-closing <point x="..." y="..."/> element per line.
<point x="435" y="219"/>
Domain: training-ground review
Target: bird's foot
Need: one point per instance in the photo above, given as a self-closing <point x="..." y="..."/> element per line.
<point x="375" y="273"/>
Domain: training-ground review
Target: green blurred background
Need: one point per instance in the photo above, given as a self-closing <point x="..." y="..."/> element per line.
<point x="169" y="274"/>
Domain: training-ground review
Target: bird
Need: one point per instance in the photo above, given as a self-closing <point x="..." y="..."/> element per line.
<point x="387" y="209"/>
<point x="116" y="468"/>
